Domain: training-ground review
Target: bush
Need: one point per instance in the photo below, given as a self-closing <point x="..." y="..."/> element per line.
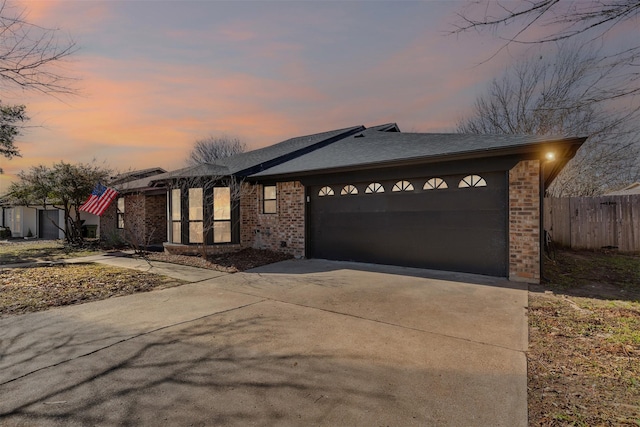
<point x="5" y="233"/>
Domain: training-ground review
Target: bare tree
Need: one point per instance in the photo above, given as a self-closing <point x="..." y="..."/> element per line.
<point x="548" y="21"/>
<point x="29" y="54"/>
<point x="553" y="96"/>
<point x="208" y="150"/>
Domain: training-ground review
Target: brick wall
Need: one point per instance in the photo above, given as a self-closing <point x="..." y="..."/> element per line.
<point x="524" y="222"/>
<point x="283" y="231"/>
<point x="109" y="231"/>
<point x="179" y="249"/>
<point x="145" y="220"/>
<point x="155" y="218"/>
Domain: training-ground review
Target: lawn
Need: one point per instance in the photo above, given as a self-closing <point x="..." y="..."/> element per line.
<point x="44" y="286"/>
<point x="31" y="289"/>
<point x="12" y="252"/>
<point x="584" y="341"/>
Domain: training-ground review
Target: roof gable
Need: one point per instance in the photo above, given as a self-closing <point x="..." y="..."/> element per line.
<point x="244" y="164"/>
<point x="263" y="158"/>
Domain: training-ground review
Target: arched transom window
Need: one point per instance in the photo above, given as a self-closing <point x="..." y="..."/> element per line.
<point x="402" y="186"/>
<point x="326" y="191"/>
<point x="435" y="184"/>
<point x="348" y="189"/>
<point x="374" y="187"/>
<point x="472" y="181"/>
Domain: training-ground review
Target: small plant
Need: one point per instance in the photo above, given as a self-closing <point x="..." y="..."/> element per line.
<point x="113" y="240"/>
<point x="29" y="233"/>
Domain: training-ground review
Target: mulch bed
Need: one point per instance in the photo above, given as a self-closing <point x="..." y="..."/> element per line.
<point x="233" y="262"/>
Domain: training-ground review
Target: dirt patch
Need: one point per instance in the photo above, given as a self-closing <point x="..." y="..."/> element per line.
<point x="24" y="290"/>
<point x="242" y="260"/>
<point x="584" y="342"/>
<point x="597" y="274"/>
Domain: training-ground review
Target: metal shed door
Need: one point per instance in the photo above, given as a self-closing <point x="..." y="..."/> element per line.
<point x="454" y="229"/>
<point x="47" y="229"/>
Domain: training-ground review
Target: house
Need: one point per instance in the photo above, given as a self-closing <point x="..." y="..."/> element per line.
<point x="35" y="221"/>
<point x="138" y="216"/>
<point x="467" y="203"/>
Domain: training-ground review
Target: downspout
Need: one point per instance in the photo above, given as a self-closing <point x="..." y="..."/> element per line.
<point x="542" y="232"/>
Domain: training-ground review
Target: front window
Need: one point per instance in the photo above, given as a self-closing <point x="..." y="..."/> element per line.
<point x="195" y="216"/>
<point x="120" y="211"/>
<point x="269" y="199"/>
<point x="221" y="215"/>
<point x="176" y="228"/>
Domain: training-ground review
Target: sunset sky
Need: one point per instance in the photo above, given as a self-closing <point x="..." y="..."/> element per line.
<point x="155" y="76"/>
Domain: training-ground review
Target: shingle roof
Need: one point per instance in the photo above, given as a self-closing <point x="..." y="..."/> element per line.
<point x="244" y="164"/>
<point x="202" y="169"/>
<point x="254" y="159"/>
<point x="374" y="147"/>
<point x="139" y="184"/>
<point x="136" y="175"/>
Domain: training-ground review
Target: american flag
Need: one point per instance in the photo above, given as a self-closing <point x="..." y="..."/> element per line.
<point x="99" y="200"/>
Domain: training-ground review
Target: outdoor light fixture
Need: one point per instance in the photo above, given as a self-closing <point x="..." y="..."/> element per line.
<point x="550" y="156"/>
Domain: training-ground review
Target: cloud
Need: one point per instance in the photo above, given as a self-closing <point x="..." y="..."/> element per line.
<point x="156" y="78"/>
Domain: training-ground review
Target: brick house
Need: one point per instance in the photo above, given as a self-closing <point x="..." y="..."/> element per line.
<point x="139" y="215"/>
<point x="468" y="203"/>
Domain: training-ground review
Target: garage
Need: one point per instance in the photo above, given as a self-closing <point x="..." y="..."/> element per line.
<point x="48" y="222"/>
<point x="454" y="222"/>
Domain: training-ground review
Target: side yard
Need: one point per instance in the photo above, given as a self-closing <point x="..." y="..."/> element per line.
<point x="584" y="341"/>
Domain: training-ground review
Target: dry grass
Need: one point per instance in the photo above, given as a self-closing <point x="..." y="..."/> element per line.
<point x="31" y="289"/>
<point x="584" y="342"/>
<point x="17" y="251"/>
<point x="24" y="290"/>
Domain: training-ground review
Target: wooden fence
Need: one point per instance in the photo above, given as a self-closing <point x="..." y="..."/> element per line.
<point x="594" y="222"/>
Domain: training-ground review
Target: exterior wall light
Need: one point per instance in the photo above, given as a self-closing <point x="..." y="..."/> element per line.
<point x="550" y="156"/>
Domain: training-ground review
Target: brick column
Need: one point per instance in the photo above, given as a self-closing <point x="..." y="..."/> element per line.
<point x="524" y="222"/>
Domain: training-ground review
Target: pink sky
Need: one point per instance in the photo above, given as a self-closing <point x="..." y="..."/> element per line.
<point x="155" y="76"/>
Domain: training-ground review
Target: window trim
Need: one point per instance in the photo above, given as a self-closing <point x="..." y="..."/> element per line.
<point x="435" y="183"/>
<point x="326" y="191"/>
<point x="374" y="188"/>
<point x="190" y="221"/>
<point x="120" y="213"/>
<point x="349" y="190"/>
<point x="265" y="199"/>
<point x="215" y="221"/>
<point x="474" y="181"/>
<point x="402" y="186"/>
<point x="176" y="201"/>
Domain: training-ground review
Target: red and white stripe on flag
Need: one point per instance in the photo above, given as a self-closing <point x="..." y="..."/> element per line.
<point x="99" y="200"/>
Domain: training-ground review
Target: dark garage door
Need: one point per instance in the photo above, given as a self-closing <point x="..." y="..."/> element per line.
<point x="47" y="229"/>
<point x="455" y="229"/>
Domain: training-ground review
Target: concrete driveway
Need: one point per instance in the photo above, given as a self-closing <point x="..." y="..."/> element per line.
<point x="295" y="343"/>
